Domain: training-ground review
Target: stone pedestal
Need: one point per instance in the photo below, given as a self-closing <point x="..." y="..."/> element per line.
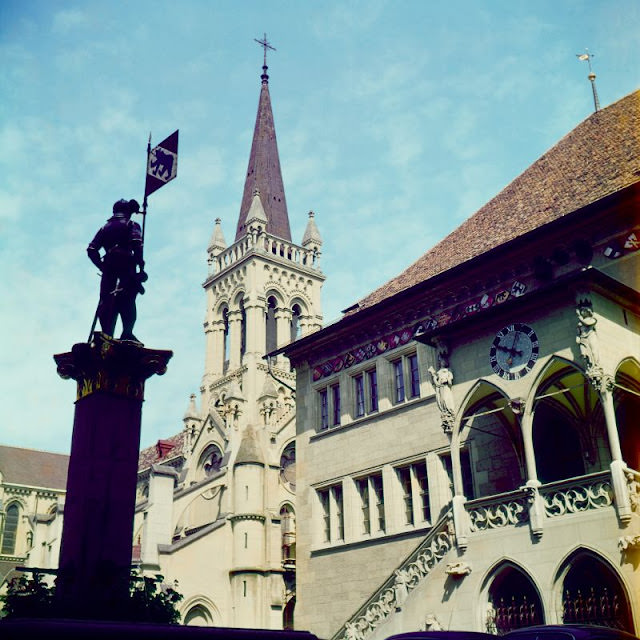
<point x="95" y="554"/>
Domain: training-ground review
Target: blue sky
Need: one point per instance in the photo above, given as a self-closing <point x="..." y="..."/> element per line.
<point x="395" y="122"/>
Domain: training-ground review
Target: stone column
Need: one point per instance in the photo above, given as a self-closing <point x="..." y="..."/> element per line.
<point x="283" y="331"/>
<point x="460" y="517"/>
<point x="95" y="554"/>
<point x="618" y="467"/>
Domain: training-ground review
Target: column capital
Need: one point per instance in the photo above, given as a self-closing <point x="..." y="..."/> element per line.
<point x="115" y="366"/>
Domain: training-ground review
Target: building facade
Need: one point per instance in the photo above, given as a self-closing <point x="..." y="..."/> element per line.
<point x="32" y="490"/>
<point x="216" y="508"/>
<point x="468" y="440"/>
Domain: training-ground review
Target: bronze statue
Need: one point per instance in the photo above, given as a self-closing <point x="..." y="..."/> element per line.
<point x="122" y="268"/>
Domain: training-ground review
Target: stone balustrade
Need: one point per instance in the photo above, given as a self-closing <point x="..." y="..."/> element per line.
<point x="262" y="243"/>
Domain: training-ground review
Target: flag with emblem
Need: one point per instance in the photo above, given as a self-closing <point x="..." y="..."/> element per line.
<point x="162" y="163"/>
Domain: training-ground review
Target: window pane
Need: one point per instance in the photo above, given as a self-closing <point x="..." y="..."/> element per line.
<point x="324" y="409"/>
<point x="398" y="375"/>
<point x="337" y="496"/>
<point x="404" y="474"/>
<point x="420" y="471"/>
<point x="363" y="490"/>
<point x="10" y="530"/>
<point x="335" y="391"/>
<point x="376" y="485"/>
<point x="373" y="390"/>
<point x="326" y="514"/>
<point x="415" y="375"/>
<point x="359" y="384"/>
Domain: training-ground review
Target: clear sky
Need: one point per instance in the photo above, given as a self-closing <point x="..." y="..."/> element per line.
<point x="395" y="122"/>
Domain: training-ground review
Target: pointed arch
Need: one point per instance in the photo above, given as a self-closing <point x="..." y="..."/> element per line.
<point x="488" y="422"/>
<point x="568" y="429"/>
<point x="200" y="611"/>
<point x="10" y="528"/>
<point x="627" y="410"/>
<point x="510" y="598"/>
<point x="588" y="589"/>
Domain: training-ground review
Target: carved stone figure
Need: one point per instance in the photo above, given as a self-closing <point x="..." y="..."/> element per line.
<point x="587" y="338"/>
<point x="458" y="569"/>
<point x="400" y="586"/>
<point x="352" y="632"/>
<point x="491" y="620"/>
<point x="121" y="240"/>
<point x="431" y="623"/>
<point x="442" y="380"/>
<point x="634" y="490"/>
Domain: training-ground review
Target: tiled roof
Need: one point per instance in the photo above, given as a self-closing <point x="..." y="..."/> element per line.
<point x="34" y="468"/>
<point x="264" y="173"/>
<point x="599" y="157"/>
<point x="162" y="450"/>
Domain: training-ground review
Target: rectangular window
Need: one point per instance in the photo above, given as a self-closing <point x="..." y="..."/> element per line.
<point x="335" y="396"/>
<point x="363" y="491"/>
<point x="324" y="409"/>
<point x="415" y="493"/>
<point x="371" y="504"/>
<point x="420" y="474"/>
<point x="337" y="499"/>
<point x="372" y="377"/>
<point x="323" y="495"/>
<point x="359" y="389"/>
<point x="398" y="377"/>
<point x="404" y="475"/>
<point x="378" y="498"/>
<point x="414" y="375"/>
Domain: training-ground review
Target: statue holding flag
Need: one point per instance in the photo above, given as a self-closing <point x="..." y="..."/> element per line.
<point x="122" y="240"/>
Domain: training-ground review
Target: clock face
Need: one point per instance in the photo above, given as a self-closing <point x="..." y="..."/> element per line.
<point x="514" y="351"/>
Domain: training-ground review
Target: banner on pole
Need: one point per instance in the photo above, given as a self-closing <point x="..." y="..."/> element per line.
<point x="162" y="164"/>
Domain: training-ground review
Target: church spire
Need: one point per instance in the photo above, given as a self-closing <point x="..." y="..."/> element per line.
<point x="263" y="172"/>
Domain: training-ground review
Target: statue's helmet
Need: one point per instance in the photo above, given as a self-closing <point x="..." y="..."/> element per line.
<point x="121" y="206"/>
<point x="134" y="207"/>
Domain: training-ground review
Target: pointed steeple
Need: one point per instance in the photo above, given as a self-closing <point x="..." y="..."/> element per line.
<point x="264" y="173"/>
<point x="311" y="233"/>
<point x="217" y="242"/>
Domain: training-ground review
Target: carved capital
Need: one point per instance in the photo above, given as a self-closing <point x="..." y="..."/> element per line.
<point x="113" y="366"/>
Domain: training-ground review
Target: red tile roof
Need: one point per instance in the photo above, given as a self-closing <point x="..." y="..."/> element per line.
<point x="162" y="450"/>
<point x="599" y="157"/>
<point x="34" y="468"/>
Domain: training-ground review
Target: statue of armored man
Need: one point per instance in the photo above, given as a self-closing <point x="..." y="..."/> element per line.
<point x="122" y="267"/>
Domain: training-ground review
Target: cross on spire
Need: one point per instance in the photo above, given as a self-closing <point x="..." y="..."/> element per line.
<point x="264" y="43"/>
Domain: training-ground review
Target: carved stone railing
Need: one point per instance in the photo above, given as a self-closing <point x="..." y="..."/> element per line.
<point x="502" y="510"/>
<point x="578" y="494"/>
<point x="391" y="595"/>
<point x="264" y="244"/>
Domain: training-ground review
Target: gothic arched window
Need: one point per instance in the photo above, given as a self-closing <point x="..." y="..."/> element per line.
<point x="9" y="535"/>
<point x="271" y="328"/>
<point x="243" y="330"/>
<point x="296" y="329"/>
<point x="226" y="345"/>
<point x="288" y="466"/>
<point x="513" y="602"/>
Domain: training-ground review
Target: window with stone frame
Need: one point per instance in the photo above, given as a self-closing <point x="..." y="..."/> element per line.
<point x="406" y="378"/>
<point x="372" y="517"/>
<point x="365" y="388"/>
<point x="414" y="487"/>
<point x="323" y="400"/>
<point x="332" y="513"/>
<point x="10" y="530"/>
<point x="335" y="405"/>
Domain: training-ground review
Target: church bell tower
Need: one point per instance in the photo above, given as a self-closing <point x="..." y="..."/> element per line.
<point x="262" y="291"/>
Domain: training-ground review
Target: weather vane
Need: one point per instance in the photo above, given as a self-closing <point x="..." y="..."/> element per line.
<point x="592" y="76"/>
<point x="264" y="43"/>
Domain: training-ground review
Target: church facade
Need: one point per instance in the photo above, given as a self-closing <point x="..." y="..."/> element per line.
<point x="468" y="440"/>
<point x="216" y="508"/>
<point x="216" y="503"/>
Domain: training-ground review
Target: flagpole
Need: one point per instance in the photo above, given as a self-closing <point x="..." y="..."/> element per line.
<point x="144" y="202"/>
